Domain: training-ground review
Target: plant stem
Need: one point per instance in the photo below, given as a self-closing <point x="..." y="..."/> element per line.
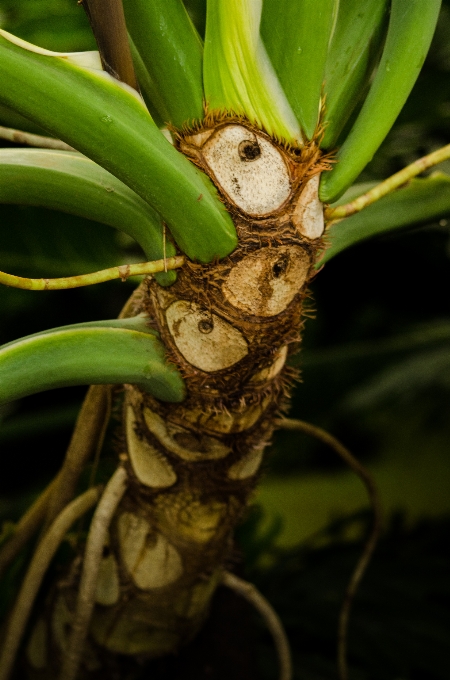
<point x="122" y="272"/>
<point x="20" y="137"/>
<point x="369" y="483"/>
<point x="108" y="26"/>
<point x="271" y="618"/>
<point x="36" y="572"/>
<point x="333" y="215"/>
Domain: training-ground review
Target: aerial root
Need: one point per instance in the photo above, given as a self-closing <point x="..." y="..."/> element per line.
<point x="271" y="618"/>
<point x="122" y="272"/>
<point x="96" y="540"/>
<point x="369" y="547"/>
<point x="392" y="183"/>
<point x="86" y="439"/>
<point x="27" y="526"/>
<point x="35" y="574"/>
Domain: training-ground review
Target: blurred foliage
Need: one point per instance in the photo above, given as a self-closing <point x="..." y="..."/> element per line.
<point x="376" y="373"/>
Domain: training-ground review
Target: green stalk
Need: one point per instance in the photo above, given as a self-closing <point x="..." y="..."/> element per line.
<point x="70" y="182"/>
<point x="389" y="185"/>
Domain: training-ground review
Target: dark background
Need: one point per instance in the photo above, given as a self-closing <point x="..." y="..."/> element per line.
<point x="376" y="373"/>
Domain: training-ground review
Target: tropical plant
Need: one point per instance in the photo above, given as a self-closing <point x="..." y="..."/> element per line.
<point x="269" y="122"/>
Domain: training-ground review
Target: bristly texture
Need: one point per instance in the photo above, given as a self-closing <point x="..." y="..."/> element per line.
<point x="228" y="326"/>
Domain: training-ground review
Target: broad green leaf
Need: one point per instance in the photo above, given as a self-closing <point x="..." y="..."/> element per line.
<point x="422" y="200"/>
<point x="354" y="50"/>
<point x="296" y="36"/>
<point x="110" y="125"/>
<point x="411" y="28"/>
<point x="70" y="182"/>
<point x="171" y="50"/>
<point x="84" y="356"/>
<point x="237" y="72"/>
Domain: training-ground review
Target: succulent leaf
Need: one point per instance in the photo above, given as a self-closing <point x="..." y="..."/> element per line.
<point x="87" y="354"/>
<point x="354" y="50"/>
<point x="171" y="51"/>
<point x="296" y="36"/>
<point x="110" y="125"/>
<point x="237" y="71"/>
<point x="70" y="182"/>
<point x="411" y="28"/>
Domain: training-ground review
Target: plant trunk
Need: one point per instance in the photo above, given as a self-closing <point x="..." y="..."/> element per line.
<point x="228" y="326"/>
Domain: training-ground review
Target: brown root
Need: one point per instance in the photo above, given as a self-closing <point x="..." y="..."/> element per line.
<point x="369" y="547"/>
<point x="271" y="618"/>
<point x="35" y="574"/>
<point x="103" y="515"/>
<point x="87" y="438"/>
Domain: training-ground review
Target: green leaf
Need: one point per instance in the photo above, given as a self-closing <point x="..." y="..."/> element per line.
<point x="11" y="119"/>
<point x="421" y="201"/>
<point x="411" y="28"/>
<point x="149" y="91"/>
<point x="237" y="72"/>
<point x="354" y="51"/>
<point x="296" y="36"/>
<point x="110" y="125"/>
<point x="70" y="182"/>
<point x="84" y="355"/>
<point x="171" y="50"/>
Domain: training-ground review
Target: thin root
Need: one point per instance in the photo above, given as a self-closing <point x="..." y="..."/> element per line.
<point x="101" y="520"/>
<point x="271" y="618"/>
<point x="361" y="566"/>
<point x="334" y="215"/>
<point x="122" y="272"/>
<point x="86" y="439"/>
<point x="26" y="527"/>
<point x="36" y="572"/>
